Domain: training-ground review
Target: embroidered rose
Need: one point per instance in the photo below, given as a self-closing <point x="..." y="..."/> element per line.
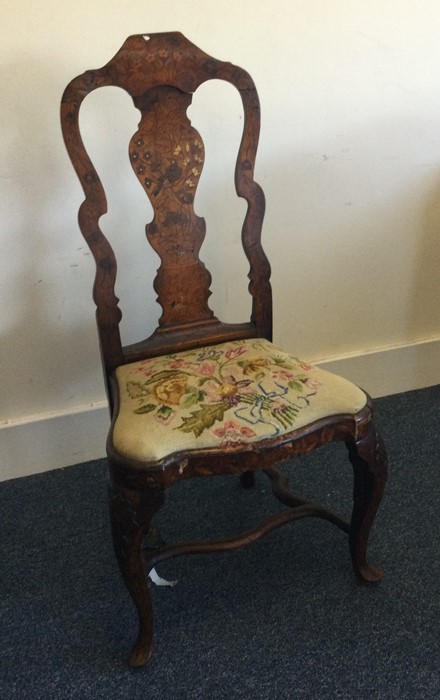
<point x="232" y="434"/>
<point x="170" y="390"/>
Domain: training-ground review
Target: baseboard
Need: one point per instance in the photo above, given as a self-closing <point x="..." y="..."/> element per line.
<point x="391" y="370"/>
<point x="40" y="443"/>
<point x="44" y="442"/>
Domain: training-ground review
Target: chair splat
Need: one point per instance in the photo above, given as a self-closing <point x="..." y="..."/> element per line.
<point x="167" y="155"/>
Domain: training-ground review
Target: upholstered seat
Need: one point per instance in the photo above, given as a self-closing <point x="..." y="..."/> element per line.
<point x="224" y="395"/>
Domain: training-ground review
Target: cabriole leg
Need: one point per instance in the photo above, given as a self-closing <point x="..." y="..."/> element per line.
<point x="131" y="513"/>
<point x="369" y="461"/>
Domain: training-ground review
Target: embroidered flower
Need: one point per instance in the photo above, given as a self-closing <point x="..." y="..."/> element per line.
<point x="164" y="415"/>
<point x="228" y="390"/>
<point x="171" y="390"/>
<point x="145" y="369"/>
<point x="284" y="412"/>
<point x="209" y="354"/>
<point x="180" y="363"/>
<point x="242" y="381"/>
<point x="278" y="404"/>
<point x="282" y="375"/>
<point x="207" y="369"/>
<point x="232" y="434"/>
<point x="312" y="383"/>
<point x="236" y="352"/>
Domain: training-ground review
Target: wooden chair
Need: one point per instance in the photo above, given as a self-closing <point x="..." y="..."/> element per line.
<point x="199" y="397"/>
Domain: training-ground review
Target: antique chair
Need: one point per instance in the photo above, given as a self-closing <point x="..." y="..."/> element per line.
<point x="199" y="397"/>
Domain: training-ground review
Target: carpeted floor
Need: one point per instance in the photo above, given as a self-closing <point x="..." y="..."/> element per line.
<point x="284" y="618"/>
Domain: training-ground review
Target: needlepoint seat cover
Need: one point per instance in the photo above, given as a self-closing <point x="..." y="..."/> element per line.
<point x="222" y="396"/>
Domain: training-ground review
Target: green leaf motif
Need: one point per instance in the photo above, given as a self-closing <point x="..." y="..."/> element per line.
<point x="203" y="380"/>
<point x="145" y="409"/>
<point x="164" y="412"/>
<point x="281" y="362"/>
<point x="191" y="397"/>
<point x="203" y="418"/>
<point x="165" y="374"/>
<point x="296" y="384"/>
<point x="136" y="390"/>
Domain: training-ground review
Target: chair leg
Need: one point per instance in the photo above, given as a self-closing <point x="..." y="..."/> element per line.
<point x="369" y="461"/>
<point x="247" y="479"/>
<point x="131" y="514"/>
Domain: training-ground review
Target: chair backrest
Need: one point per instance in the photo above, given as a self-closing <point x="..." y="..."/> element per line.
<point x="161" y="72"/>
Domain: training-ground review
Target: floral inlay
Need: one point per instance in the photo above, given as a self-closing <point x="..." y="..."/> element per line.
<point x="183" y="167"/>
<point x="231" y="390"/>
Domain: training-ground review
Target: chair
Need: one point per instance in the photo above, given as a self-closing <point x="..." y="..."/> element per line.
<point x="199" y="397"/>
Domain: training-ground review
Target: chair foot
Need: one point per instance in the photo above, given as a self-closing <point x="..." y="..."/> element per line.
<point x="141" y="654"/>
<point x="247" y="480"/>
<point x="368" y="574"/>
<point x="131" y="514"/>
<point x="369" y="461"/>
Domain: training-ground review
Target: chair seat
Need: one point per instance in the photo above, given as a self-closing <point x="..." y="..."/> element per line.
<point x="221" y="396"/>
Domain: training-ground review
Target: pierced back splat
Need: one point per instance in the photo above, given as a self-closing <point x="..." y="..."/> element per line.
<point x="167" y="155"/>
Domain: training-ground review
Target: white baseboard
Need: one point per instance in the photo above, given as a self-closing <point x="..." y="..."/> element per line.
<point x="391" y="370"/>
<point x="40" y="443"/>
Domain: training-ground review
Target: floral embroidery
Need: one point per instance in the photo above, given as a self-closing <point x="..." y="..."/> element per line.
<point x="239" y="386"/>
<point x="170" y="391"/>
<point x="233" y="433"/>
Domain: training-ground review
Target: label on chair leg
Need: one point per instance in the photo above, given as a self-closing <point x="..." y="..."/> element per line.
<point x="158" y="581"/>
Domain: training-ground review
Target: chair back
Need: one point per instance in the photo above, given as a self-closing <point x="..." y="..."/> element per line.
<point x="161" y="72"/>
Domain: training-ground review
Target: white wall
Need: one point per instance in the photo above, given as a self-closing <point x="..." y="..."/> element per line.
<point x="349" y="160"/>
